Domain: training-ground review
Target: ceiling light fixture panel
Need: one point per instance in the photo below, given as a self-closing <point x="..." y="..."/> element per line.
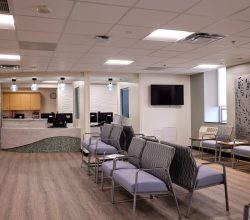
<point x="7" y="22"/>
<point x="167" y="35"/>
<point x="118" y="62"/>
<point x="207" y="66"/>
<point x="8" y="57"/>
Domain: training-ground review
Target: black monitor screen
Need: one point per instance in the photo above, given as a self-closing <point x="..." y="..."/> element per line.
<point x="49" y="116"/>
<point x="105" y="117"/>
<point x="19" y="115"/>
<point x="167" y="95"/>
<point x="93" y="117"/>
<point x="67" y="117"/>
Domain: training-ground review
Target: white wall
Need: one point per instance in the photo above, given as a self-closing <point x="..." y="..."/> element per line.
<point x="164" y="121"/>
<point x="47" y="104"/>
<point x="65" y="99"/>
<point x="134" y="117"/>
<point x="103" y="100"/>
<point x="79" y="122"/>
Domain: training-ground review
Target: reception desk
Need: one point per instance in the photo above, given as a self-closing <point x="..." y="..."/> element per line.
<point x="32" y="135"/>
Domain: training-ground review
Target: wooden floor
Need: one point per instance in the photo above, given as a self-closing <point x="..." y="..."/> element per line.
<point x="53" y="186"/>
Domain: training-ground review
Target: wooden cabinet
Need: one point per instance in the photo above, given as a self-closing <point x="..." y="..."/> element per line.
<point x="21" y="101"/>
<point x="6" y="101"/>
<point x="35" y="101"/>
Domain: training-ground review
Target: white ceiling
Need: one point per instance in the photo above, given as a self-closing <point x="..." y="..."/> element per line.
<point x="73" y="25"/>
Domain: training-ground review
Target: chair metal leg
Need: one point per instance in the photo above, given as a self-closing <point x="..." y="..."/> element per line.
<point x="220" y="154"/>
<point x="134" y="204"/>
<point x="215" y="155"/>
<point x="225" y="187"/>
<point x="190" y="201"/>
<point x="113" y="191"/>
<point x="89" y="158"/>
<point x="177" y="205"/>
<point x="82" y="159"/>
<point x="102" y="176"/>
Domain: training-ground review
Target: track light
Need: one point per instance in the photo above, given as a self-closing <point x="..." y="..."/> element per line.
<point x="110" y="85"/>
<point x="34" y="86"/>
<point x="62" y="85"/>
<point x="13" y="86"/>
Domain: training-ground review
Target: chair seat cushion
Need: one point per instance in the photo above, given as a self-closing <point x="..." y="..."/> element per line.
<point x="146" y="182"/>
<point x="107" y="166"/>
<point x="209" y="144"/>
<point x="243" y="150"/>
<point x="102" y="148"/>
<point x="85" y="143"/>
<point x="208" y="176"/>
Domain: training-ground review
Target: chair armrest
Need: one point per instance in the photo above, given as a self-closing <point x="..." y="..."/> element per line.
<point x="218" y="163"/>
<point x="140" y="134"/>
<point x="121" y="158"/>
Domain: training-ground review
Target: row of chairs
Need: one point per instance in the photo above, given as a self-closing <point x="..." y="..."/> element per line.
<point x="150" y="167"/>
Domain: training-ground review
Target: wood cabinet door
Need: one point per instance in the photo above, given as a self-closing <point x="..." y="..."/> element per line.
<point x="35" y="101"/>
<point x="6" y="101"/>
<point x="25" y="101"/>
<point x="15" y="101"/>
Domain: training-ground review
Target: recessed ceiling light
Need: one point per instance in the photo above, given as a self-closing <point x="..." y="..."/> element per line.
<point x="118" y="62"/>
<point x="167" y="35"/>
<point x="7" y="22"/>
<point x="207" y="66"/>
<point x="9" y="57"/>
<point x="43" y="9"/>
<point x="50" y="81"/>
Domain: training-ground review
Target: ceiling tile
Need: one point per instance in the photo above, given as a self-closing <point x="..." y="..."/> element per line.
<point x="72" y="48"/>
<point x="231" y="41"/>
<point x="218" y="9"/>
<point x="38" y="24"/>
<point x="167" y="5"/>
<point x="242" y="15"/>
<point x="139" y="52"/>
<point x="60" y="8"/>
<point x="189" y="23"/>
<point x="35" y="60"/>
<point x="37" y="69"/>
<point x="8" y="44"/>
<point x="145" y="44"/>
<point x="77" y="39"/>
<point x="115" y="2"/>
<point x="165" y="53"/>
<point x="182" y="46"/>
<point x="7" y="35"/>
<point x="67" y="55"/>
<point x="105" y="50"/>
<point x="97" y="12"/>
<point x="226" y="27"/>
<point x="38" y="36"/>
<point x="130" y="31"/>
<point x="36" y="53"/>
<point x="118" y="42"/>
<point x="76" y="27"/>
<point x="147" y="18"/>
<point x="245" y="33"/>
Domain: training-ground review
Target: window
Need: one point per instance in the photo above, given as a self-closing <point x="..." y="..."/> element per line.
<point x="215" y="97"/>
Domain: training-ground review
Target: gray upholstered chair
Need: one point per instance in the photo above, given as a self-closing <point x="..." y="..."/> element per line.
<point x="104" y="135"/>
<point x="105" y="147"/>
<point x="132" y="161"/>
<point x="153" y="176"/>
<point x="185" y="173"/>
<point x="223" y="134"/>
<point x="241" y="150"/>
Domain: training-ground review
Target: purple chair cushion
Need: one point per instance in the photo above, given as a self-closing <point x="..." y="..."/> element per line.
<point x="102" y="148"/>
<point x="85" y="143"/>
<point x="107" y="166"/>
<point x="242" y="150"/>
<point x="146" y="181"/>
<point x="208" y="176"/>
<point x="209" y="144"/>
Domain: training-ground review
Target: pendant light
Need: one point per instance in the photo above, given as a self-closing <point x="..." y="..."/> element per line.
<point x="62" y="84"/>
<point x="34" y="86"/>
<point x="110" y="85"/>
<point x="13" y="86"/>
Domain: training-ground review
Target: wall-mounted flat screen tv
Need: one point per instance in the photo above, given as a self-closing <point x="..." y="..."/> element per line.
<point x="167" y="95"/>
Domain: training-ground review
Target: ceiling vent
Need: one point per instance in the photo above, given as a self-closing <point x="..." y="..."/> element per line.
<point x="202" y="38"/>
<point x="4" y="6"/>
<point x="155" y="68"/>
<point x="37" y="46"/>
<point x="4" y="67"/>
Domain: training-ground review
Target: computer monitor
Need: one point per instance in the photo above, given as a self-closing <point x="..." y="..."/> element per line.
<point x="105" y="117"/>
<point x="49" y="116"/>
<point x="93" y="117"/>
<point x="68" y="117"/>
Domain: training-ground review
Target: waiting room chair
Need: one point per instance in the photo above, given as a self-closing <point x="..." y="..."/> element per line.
<point x="131" y="161"/>
<point x="104" y="136"/>
<point x="223" y="134"/>
<point x="185" y="173"/>
<point x="153" y="176"/>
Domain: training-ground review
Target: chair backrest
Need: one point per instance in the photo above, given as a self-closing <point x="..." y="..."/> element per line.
<point x="183" y="167"/>
<point x="224" y="133"/>
<point x="105" y="132"/>
<point x="135" y="150"/>
<point x="157" y="155"/>
<point x="126" y="137"/>
<point x="115" y="136"/>
<point x="207" y="131"/>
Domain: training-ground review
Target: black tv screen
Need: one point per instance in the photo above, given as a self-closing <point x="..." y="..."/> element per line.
<point x="167" y="95"/>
